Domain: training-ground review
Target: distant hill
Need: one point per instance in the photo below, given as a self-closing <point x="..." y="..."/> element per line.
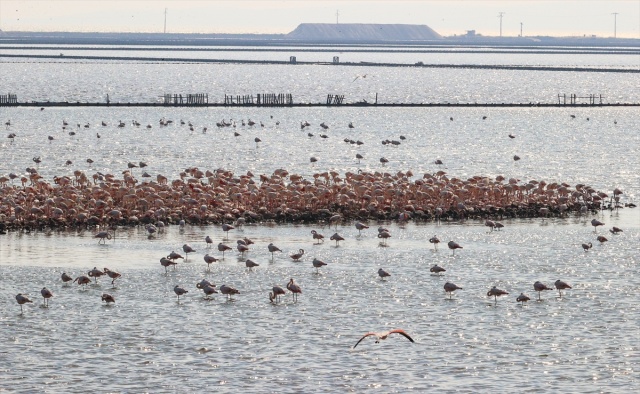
<point x="335" y="32"/>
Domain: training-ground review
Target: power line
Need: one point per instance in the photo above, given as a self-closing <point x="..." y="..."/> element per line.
<point x="615" y="24"/>
<point x="165" y="20"/>
<point x="500" y="14"/>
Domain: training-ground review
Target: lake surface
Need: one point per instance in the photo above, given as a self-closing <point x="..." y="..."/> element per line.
<point x="585" y="341"/>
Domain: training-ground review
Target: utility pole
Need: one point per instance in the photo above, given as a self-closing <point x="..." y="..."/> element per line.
<point x="337" y="15"/>
<point x="521" y="29"/>
<point x="615" y="24"/>
<point x="500" y="14"/>
<point x="165" y="20"/>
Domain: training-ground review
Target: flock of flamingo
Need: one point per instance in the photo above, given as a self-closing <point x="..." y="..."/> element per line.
<point x="197" y="196"/>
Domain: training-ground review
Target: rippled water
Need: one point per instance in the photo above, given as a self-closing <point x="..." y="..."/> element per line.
<point x="583" y="342"/>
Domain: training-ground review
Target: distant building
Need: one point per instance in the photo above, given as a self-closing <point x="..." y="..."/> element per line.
<point x="470" y="33"/>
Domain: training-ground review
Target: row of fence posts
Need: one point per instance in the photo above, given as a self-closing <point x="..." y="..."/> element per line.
<point x="8" y="98"/>
<point x="260" y="99"/>
<point x="594" y="99"/>
<point x="188" y="99"/>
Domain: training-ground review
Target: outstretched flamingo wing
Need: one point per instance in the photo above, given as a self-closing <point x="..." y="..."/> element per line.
<point x="363" y="337"/>
<point x="401" y="332"/>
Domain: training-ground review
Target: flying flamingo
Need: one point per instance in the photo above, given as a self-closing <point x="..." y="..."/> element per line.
<point x="179" y="291"/>
<point x="46" y="294"/>
<point x="560" y="285"/>
<point x="450" y="288"/>
<point x="380" y="336"/>
<point x="453" y="246"/>
<point x="317" y="236"/>
<point x="495" y="292"/>
<point x="276" y="293"/>
<point x="294" y="289"/>
<point x="540" y="287"/>
<point x="318" y="263"/>
<point x="22" y="299"/>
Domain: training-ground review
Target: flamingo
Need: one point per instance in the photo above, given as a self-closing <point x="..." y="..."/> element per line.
<point x="108" y="298"/>
<point x="491" y="224"/>
<point x="22" y="299"/>
<point x="242" y="248"/>
<point x="275" y="294"/>
<point x="208" y="290"/>
<point x="66" y="278"/>
<point x="113" y="275"/>
<point x="228" y="291"/>
<point x="436" y="269"/>
<point x="95" y="273"/>
<point x="587" y="246"/>
<point x="226" y="228"/>
<point x="223" y="248"/>
<point x="294" y="289"/>
<point x="208" y="240"/>
<point x="103" y="235"/>
<point x="595" y="223"/>
<point x="166" y="262"/>
<point x="317" y="236"/>
<point x="272" y="248"/>
<point x="450" y="288"/>
<point x="46" y="294"/>
<point x="602" y="239"/>
<point x="335" y="219"/>
<point x="435" y="241"/>
<point x="204" y="283"/>
<point x="560" y="285"/>
<point x="615" y="230"/>
<point x="186" y="248"/>
<point x="522" y="298"/>
<point x="318" y="263"/>
<point x="453" y="246"/>
<point x="382" y="273"/>
<point x="174" y="256"/>
<point x="360" y="227"/>
<point x="336" y="237"/>
<point x="380" y="336"/>
<point x="179" y="291"/>
<point x="250" y="264"/>
<point x="297" y="256"/>
<point x="540" y="287"/>
<point x="495" y="292"/>
<point x="82" y="280"/>
<point x="384" y="235"/>
<point x="209" y="259"/>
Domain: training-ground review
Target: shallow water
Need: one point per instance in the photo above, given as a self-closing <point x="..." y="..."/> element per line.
<point x="582" y="342"/>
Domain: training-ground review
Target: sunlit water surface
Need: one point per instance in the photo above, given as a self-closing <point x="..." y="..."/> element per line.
<point x="585" y="341"/>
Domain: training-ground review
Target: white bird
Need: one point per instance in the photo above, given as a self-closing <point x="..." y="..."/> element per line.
<point x="450" y="288"/>
<point x="22" y="299"/>
<point x="382" y="273"/>
<point x="380" y="336"/>
<point x="179" y="291"/>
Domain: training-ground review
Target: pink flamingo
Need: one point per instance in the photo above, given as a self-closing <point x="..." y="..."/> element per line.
<point x="380" y="336"/>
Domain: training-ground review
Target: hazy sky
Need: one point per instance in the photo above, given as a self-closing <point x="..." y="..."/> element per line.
<point x="447" y="17"/>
